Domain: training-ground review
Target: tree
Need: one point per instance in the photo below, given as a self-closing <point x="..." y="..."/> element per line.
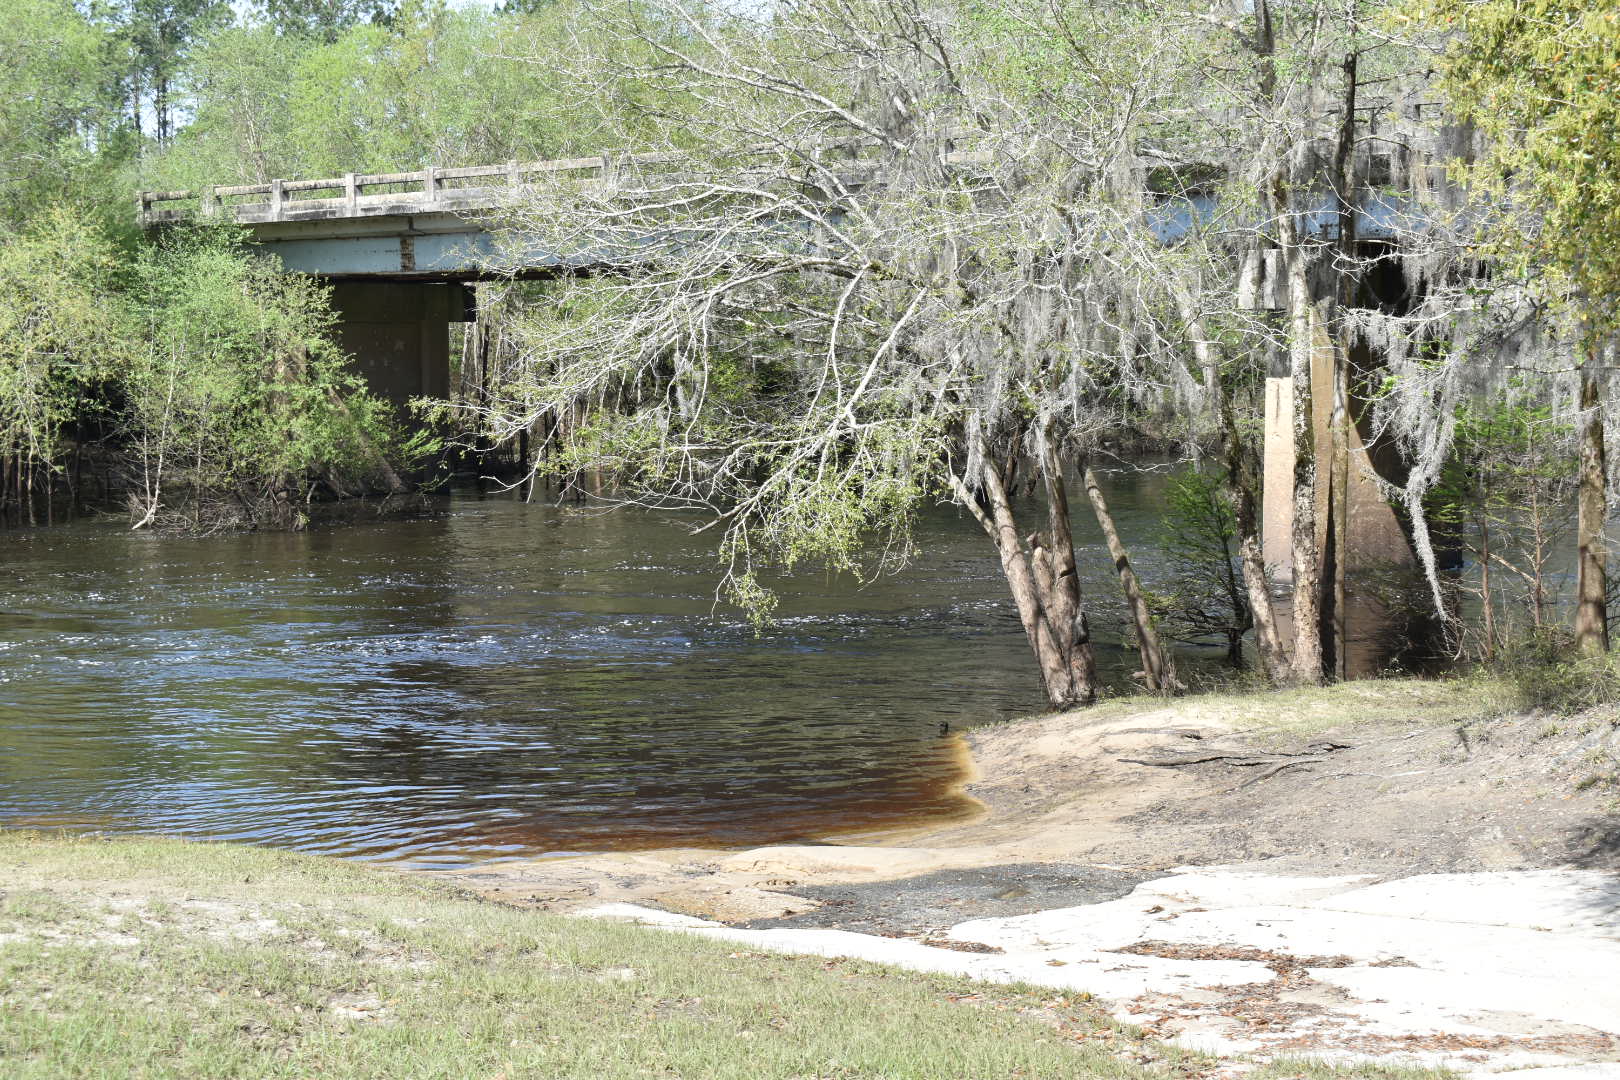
<point x="238" y="400"/>
<point x="1507" y="490"/>
<point x="1307" y="153"/>
<point x="1541" y="78"/>
<point x="241" y="85"/>
<point x="895" y="262"/>
<point x="323" y="20"/>
<point x="160" y="34"/>
<point x="1305" y="118"/>
<point x="58" y="138"/>
<point x="1206" y="595"/>
<point x="59" y="344"/>
<point x="434" y="87"/>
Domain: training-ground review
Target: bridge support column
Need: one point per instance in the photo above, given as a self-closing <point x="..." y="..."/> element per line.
<point x="1365" y="551"/>
<point x="399" y="334"/>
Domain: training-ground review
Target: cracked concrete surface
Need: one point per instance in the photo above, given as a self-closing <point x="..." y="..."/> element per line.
<point x="1482" y="972"/>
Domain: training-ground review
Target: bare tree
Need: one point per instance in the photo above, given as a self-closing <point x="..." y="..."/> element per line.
<point x="881" y="263"/>
<point x="892" y="252"/>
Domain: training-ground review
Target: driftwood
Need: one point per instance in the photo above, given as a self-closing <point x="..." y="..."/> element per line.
<point x="1241" y="758"/>
<point x="1275" y="769"/>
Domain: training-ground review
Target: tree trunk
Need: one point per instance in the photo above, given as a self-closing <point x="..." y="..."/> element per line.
<point x="1304" y="331"/>
<point x="1242" y="478"/>
<point x="1336" y="550"/>
<point x="1243" y="618"/>
<point x="1067" y="604"/>
<point x="1058" y="669"/>
<point x="1039" y="584"/>
<point x="1487" y="601"/>
<point x="1158" y="669"/>
<point x="1334" y="539"/>
<point x="1591" y="611"/>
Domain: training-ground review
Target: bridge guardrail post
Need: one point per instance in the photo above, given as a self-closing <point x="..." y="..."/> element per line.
<point x="278" y="199"/>
<point x="351" y="195"/>
<point x="208" y="202"/>
<point x="430" y="183"/>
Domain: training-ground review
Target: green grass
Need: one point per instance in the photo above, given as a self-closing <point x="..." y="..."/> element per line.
<point x="156" y="958"/>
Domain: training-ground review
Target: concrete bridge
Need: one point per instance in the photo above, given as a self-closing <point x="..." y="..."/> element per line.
<point x="426" y="226"/>
<point x="398" y="249"/>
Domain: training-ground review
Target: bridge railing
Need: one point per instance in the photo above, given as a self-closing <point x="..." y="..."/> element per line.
<point x="431" y="189"/>
<point x="357" y="194"/>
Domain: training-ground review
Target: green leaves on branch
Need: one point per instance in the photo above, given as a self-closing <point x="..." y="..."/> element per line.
<point x="427" y="86"/>
<point x="1542" y="79"/>
<point x="237" y="394"/>
<point x="1204" y="596"/>
<point x="198" y="369"/>
<point x="59" y="338"/>
<point x="57" y="127"/>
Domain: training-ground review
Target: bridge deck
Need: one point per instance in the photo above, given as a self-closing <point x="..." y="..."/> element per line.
<point x="426" y="225"/>
<point x="435" y="190"/>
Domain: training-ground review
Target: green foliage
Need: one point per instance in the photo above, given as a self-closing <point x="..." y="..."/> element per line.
<point x="159" y="34"/>
<point x="217" y="372"/>
<point x="1507" y="455"/>
<point x="237" y="394"/>
<point x="1542" y="79"/>
<point x="58" y="335"/>
<point x="1543" y="671"/>
<point x="240" y="81"/>
<point x="58" y="131"/>
<point x="323" y="20"/>
<point x="1505" y="495"/>
<point x="1205" y="595"/>
<point x="427" y="86"/>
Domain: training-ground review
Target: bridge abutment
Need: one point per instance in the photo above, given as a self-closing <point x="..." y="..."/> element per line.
<point x="399" y="334"/>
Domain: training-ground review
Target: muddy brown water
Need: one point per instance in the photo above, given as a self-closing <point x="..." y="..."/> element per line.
<point x="495" y="680"/>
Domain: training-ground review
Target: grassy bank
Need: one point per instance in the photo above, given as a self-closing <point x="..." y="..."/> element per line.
<point x="1482" y="694"/>
<point x="166" y="959"/>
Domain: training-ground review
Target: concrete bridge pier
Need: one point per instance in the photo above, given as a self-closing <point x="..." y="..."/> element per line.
<point x="399" y="333"/>
<point x="1366" y="550"/>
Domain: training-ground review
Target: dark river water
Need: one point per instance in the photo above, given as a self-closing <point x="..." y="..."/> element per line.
<point x="494" y="680"/>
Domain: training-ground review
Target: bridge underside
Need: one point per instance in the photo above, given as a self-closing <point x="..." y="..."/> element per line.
<point x="398" y="333"/>
<point x="429" y="247"/>
<point x="398" y="282"/>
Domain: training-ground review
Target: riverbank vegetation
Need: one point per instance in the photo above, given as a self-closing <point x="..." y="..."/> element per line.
<point x="187" y="377"/>
<point x="1336" y="258"/>
<point x="957" y="260"/>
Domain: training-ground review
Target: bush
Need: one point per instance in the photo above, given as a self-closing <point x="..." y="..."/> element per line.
<point x="1545" y="672"/>
<point x="238" y="400"/>
<point x="59" y="342"/>
<point x="1205" y="596"/>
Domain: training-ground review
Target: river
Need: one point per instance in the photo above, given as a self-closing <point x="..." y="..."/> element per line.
<point x="494" y="680"/>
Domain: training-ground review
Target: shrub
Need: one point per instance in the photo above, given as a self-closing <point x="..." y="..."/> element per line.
<point x="238" y="400"/>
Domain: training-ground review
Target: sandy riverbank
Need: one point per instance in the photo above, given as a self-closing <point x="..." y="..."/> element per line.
<point x="1388" y="777"/>
<point x="1297" y="798"/>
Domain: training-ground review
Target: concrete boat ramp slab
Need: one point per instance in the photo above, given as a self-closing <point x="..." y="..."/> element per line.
<point x="1509" y="973"/>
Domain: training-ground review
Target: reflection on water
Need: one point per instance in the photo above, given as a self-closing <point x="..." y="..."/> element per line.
<point x="495" y="680"/>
